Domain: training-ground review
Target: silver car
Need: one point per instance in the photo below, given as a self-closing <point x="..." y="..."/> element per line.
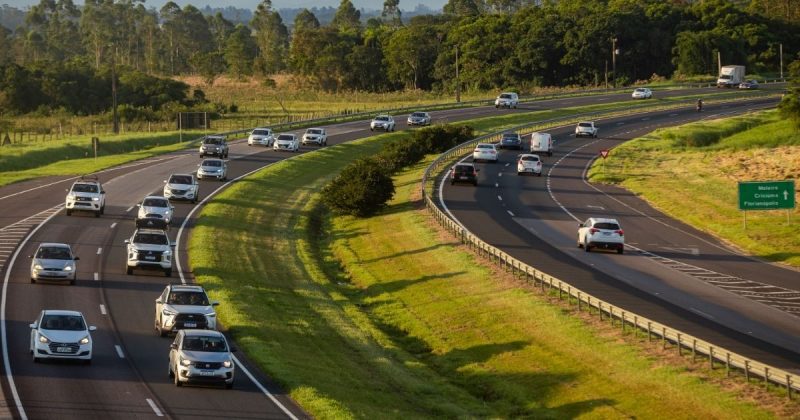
<point x="213" y="168"/>
<point x="184" y="306"/>
<point x="182" y="187"/>
<point x="382" y="122"/>
<point x="53" y="261"/>
<point x="155" y="206"/>
<point x="260" y="136"/>
<point x="201" y="356"/>
<point x="419" y="118"/>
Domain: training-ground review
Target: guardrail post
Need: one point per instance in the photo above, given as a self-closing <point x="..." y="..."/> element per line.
<point x="711" y="357"/>
<point x="680" y="350"/>
<point x="663" y="338"/>
<point x="649" y="335"/>
<point x="600" y="310"/>
<point x="728" y="364"/>
<point x="694" y="349"/>
<point x="636" y="326"/>
<point x="623" y="322"/>
<point x="766" y="377"/>
<point x="579" y="301"/>
<point x="747" y="370"/>
<point x="789" y="385"/>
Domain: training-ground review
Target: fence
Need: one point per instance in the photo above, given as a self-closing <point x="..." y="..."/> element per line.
<point x="667" y="335"/>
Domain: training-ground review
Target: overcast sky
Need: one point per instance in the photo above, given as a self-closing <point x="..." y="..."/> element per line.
<point x="251" y="4"/>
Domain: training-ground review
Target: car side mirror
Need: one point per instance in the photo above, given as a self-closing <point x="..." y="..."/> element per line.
<point x="127" y="241"/>
<point x="214" y="303"/>
<point x="165" y="181"/>
<point x="33" y="326"/>
<point x="173" y="346"/>
<point x="159" y="301"/>
<point x="76" y="258"/>
<point x="139" y="205"/>
<point x="92" y="328"/>
<point x="102" y="192"/>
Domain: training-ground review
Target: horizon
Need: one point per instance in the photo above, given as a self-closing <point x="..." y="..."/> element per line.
<point x="409" y="5"/>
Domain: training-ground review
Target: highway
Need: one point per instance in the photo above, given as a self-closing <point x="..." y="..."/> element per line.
<point x="671" y="272"/>
<point x="128" y="376"/>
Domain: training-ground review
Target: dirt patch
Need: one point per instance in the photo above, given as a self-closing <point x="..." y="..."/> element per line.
<point x="773" y="163"/>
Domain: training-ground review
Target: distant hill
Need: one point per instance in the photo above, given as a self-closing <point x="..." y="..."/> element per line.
<point x="324" y="14"/>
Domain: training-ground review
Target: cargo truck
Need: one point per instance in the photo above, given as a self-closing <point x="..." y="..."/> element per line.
<point x="730" y="76"/>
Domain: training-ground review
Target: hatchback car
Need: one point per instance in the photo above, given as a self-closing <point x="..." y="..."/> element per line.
<point x="382" y="122"/>
<point x="182" y="187"/>
<point x="53" y="261"/>
<point x="484" y="151"/>
<point x="529" y="164"/>
<point x="601" y="233"/>
<point x="201" y="356"/>
<point x="155" y="207"/>
<point x="419" y="118"/>
<point x="316" y="136"/>
<point x="511" y="141"/>
<point x="642" y="93"/>
<point x="61" y="335"/>
<point x="213" y="168"/>
<point x="261" y="136"/>
<point x="183" y="306"/>
<point x="464" y="172"/>
<point x="586" y="128"/>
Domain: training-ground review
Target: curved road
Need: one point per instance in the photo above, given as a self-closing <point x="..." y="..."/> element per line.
<point x="128" y="376"/>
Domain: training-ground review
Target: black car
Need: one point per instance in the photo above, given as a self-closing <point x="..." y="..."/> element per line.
<point x="511" y="141"/>
<point x="464" y="172"/>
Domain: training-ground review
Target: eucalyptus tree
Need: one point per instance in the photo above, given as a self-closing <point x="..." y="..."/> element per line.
<point x="52" y="28"/>
<point x="240" y="52"/>
<point x="347" y="18"/>
<point x="272" y="38"/>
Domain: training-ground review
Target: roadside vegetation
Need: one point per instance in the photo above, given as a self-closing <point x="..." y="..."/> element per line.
<point x="691" y="173"/>
<point x="309" y="296"/>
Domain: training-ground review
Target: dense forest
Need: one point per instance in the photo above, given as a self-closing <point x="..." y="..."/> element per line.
<point x="62" y="55"/>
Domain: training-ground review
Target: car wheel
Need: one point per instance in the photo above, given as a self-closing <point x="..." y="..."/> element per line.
<point x="169" y="372"/>
<point x="160" y="331"/>
<point x="36" y="359"/>
<point x="129" y="270"/>
<point x="97" y="213"/>
<point x="69" y="212"/>
<point x="87" y="362"/>
<point x="620" y="250"/>
<point x="229" y="385"/>
<point x="72" y="282"/>
<point x="586" y="247"/>
<point x="371" y="129"/>
<point x="33" y="280"/>
<point x="168" y="273"/>
<point x="496" y="106"/>
<point x="595" y="135"/>
<point x="539" y="174"/>
<point x="451" y="183"/>
<point x="475" y="184"/>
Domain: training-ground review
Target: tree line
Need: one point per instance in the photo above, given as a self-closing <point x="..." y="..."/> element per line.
<point x="496" y="44"/>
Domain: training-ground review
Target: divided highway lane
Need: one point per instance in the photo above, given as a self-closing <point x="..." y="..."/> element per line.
<point x="128" y="377"/>
<point x="535" y="220"/>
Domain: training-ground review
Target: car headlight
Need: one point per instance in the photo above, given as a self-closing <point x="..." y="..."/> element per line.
<point x="186" y="362"/>
<point x="38" y="267"/>
<point x="227" y="363"/>
<point x="95" y="198"/>
<point x="68" y="268"/>
<point x="71" y="196"/>
<point x="84" y="340"/>
<point x="43" y="339"/>
<point x="167" y="312"/>
<point x="167" y="253"/>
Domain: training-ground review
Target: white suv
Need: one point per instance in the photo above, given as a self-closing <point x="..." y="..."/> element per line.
<point x="149" y="249"/>
<point x="286" y="141"/>
<point x="586" y="128"/>
<point x="382" y="122"/>
<point x="182" y="187"/>
<point x="507" y="100"/>
<point x="184" y="306"/>
<point x="598" y="232"/>
<point x="260" y="136"/>
<point x="201" y="356"/>
<point x="317" y="136"/>
<point x="86" y="195"/>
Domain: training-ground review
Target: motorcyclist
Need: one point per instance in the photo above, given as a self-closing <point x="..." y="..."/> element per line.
<point x="699" y="105"/>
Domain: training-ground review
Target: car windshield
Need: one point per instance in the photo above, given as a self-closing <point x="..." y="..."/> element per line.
<point x="724" y="76"/>
<point x="261" y="132"/>
<point x="212" y="140"/>
<point x="54" y="253"/>
<point x="418" y="114"/>
<point x="606" y="226"/>
<point x="584" y="124"/>
<point x="640" y="90"/>
<point x="485" y="146"/>
<point x="187" y="298"/>
<point x="510" y="136"/>
<point x="285" y="137"/>
<point x="150" y="238"/>
<point x="382" y="118"/>
<point x="505" y="96"/>
<point x="85" y="188"/>
<point x="205" y="343"/>
<point x="154" y="202"/>
<point x="180" y="179"/>
<point x="63" y="323"/>
<point x="464" y="169"/>
<point x="214" y="163"/>
<point x="314" y="131"/>
<point x="530" y="158"/>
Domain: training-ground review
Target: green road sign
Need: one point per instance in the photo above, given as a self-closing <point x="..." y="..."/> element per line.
<point x="766" y="195"/>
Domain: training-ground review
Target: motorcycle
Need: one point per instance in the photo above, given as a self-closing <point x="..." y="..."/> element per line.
<point x="699" y="106"/>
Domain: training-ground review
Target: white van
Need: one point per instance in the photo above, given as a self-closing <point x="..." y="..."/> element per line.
<point x="542" y="143"/>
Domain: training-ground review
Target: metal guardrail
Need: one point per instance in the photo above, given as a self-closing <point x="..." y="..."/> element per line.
<point x="668" y="335"/>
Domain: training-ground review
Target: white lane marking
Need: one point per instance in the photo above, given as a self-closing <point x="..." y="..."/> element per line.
<point x="96" y="276"/>
<point x="620" y="123"/>
<point x="673" y="115"/>
<point x="496" y="185"/>
<point x="129" y="209"/>
<point x="508" y="164"/>
<point x="119" y="351"/>
<point x="262" y="388"/>
<point x="113" y="225"/>
<point x="509" y="212"/>
<point x="103" y="309"/>
<point x="500" y="174"/>
<point x="645" y="118"/>
<point x="595" y="207"/>
<point x="500" y="198"/>
<point x="155" y="408"/>
<point x="701" y="313"/>
<point x="99" y="251"/>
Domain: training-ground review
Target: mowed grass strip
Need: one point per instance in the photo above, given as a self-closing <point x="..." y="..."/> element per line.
<point x="691" y="173"/>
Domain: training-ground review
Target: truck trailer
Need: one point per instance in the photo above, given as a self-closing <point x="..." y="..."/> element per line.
<point x="730" y="76"/>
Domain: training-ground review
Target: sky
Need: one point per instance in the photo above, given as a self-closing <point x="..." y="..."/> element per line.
<point x="251" y="4"/>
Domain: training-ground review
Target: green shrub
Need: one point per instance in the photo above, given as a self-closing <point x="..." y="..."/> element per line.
<point x="361" y="189"/>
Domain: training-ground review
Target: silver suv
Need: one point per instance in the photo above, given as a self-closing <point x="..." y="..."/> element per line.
<point x="182" y="187"/>
<point x="214" y="146"/>
<point x="149" y="249"/>
<point x="184" y="306"/>
<point x="86" y="195"/>
<point x="201" y="356"/>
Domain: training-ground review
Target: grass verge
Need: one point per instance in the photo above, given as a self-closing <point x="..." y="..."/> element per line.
<point x="382" y="318"/>
<point x="705" y="161"/>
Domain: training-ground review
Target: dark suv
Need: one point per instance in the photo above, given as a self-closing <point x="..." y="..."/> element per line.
<point x="464" y="172"/>
<point x="511" y="141"/>
<point x="214" y="146"/>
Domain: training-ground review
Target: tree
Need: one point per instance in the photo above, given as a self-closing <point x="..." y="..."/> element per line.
<point x="221" y="29"/>
<point x="304" y="21"/>
<point x="790" y="104"/>
<point x="391" y="13"/>
<point x="462" y="8"/>
<point x="410" y="56"/>
<point x="240" y="51"/>
<point x="272" y="38"/>
<point x="361" y="189"/>
<point x="347" y="18"/>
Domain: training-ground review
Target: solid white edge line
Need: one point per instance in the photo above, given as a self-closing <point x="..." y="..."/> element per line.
<point x="129" y="209"/>
<point x="103" y="309"/>
<point x="119" y="351"/>
<point x="154" y="407"/>
<point x="500" y="198"/>
<point x="509" y="212"/>
<point x="263" y="389"/>
<point x="3" y="333"/>
<point x="442" y="203"/>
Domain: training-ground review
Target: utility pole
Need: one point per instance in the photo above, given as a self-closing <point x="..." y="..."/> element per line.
<point x="719" y="62"/>
<point x="614" y="61"/>
<point x="114" y="90"/>
<point x="781" y="53"/>
<point x="606" y="74"/>
<point x="458" y="81"/>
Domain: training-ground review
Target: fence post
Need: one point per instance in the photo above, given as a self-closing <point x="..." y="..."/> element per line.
<point x="789" y="385"/>
<point x="694" y="349"/>
<point x="663" y="338"/>
<point x="623" y="322"/>
<point x="728" y="364"/>
<point x="766" y="377"/>
<point x="649" y="335"/>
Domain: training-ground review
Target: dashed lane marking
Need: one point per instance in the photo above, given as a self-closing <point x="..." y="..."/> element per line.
<point x="155" y="408"/>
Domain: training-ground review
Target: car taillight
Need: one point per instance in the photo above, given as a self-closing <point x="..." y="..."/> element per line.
<point x="492" y="152"/>
<point x="593" y="230"/>
<point x="620" y="233"/>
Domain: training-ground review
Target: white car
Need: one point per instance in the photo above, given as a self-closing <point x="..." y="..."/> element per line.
<point x="54" y="261"/>
<point x="529" y="164"/>
<point x="86" y="195"/>
<point x="201" y="356"/>
<point x="213" y="168"/>
<point x="419" y="118"/>
<point x="182" y="187"/>
<point x="61" y="335"/>
<point x="382" y="122"/>
<point x="183" y="306"/>
<point x="317" y="136"/>
<point x="598" y="232"/>
<point x="642" y="93"/>
<point x="149" y="249"/>
<point x="261" y="136"/>
<point x="484" y="151"/>
<point x="155" y="206"/>
<point x="507" y="100"/>
<point x="286" y="141"/>
<point x="586" y="128"/>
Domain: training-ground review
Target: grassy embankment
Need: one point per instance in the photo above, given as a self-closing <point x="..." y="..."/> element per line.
<point x="386" y="318"/>
<point x="701" y="164"/>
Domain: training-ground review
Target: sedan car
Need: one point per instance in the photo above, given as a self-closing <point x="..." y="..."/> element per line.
<point x="419" y="118"/>
<point x="214" y="146"/>
<point x="261" y="136"/>
<point x="53" y="261"/>
<point x="484" y="151"/>
<point x="155" y="207"/>
<point x="286" y="141"/>
<point x="511" y="141"/>
<point x="529" y="164"/>
<point x="642" y="93"/>
<point x="749" y="84"/>
<point x="201" y="356"/>
<point x="61" y="335"/>
<point x="464" y="172"/>
<point x="604" y="233"/>
<point x="316" y="136"/>
<point x="382" y="122"/>
<point x="212" y="168"/>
